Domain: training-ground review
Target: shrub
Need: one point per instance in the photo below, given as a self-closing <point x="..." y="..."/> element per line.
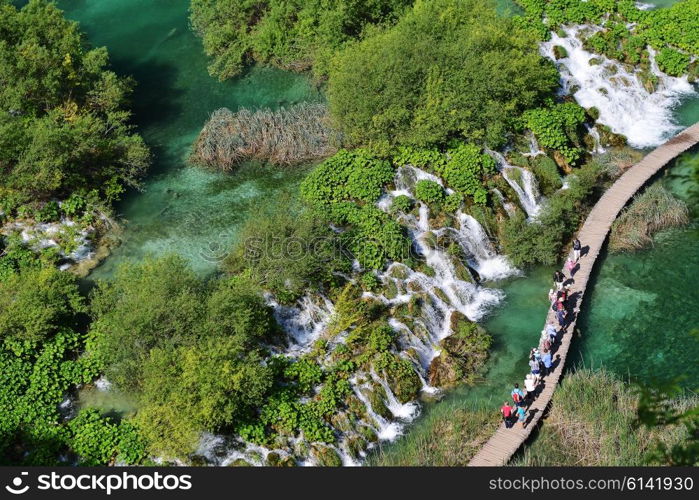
<point x="556" y="127"/>
<point x="402" y="203"/>
<point x="448" y="69"/>
<point x="672" y="62"/>
<point x="466" y="170"/>
<point x="347" y="176"/>
<point x="452" y="202"/>
<point x="547" y="175"/>
<point x="429" y="192"/>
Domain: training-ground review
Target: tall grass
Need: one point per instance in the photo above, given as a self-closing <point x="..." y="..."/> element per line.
<point x="654" y="209"/>
<point x="450" y="438"/>
<point x="591" y="424"/>
<point x="286" y="136"/>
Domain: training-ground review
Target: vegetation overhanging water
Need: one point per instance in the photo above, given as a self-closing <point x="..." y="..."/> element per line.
<point x="190" y="211"/>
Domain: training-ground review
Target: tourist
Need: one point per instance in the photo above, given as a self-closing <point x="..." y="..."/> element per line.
<point x="506" y="411"/>
<point x="561" y="314"/>
<point x="552" y="296"/>
<point x="562" y="296"/>
<point x="534" y="354"/>
<point x="576" y="249"/>
<point x="521" y="415"/>
<point x="546" y="344"/>
<point x="530" y="386"/>
<point x="551" y="331"/>
<point x="558" y="279"/>
<point x="546" y="360"/>
<point x="570" y="265"/>
<point x="535" y="367"/>
<point x="517" y="395"/>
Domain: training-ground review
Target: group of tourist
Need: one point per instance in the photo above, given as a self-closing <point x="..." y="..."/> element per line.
<point x="541" y="357"/>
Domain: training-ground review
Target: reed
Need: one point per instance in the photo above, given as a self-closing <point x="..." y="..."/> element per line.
<point x="591" y="424"/>
<point x="285" y="136"/>
<point x="649" y="212"/>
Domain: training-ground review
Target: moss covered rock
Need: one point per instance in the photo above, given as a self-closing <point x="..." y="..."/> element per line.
<point x="325" y="456"/>
<point x="463" y="354"/>
<point x="559" y="52"/>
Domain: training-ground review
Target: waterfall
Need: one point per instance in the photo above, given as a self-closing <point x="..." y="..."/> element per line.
<point x="624" y="104"/>
<point x="527" y="191"/>
<point x="448" y="290"/>
<point x="303" y="322"/>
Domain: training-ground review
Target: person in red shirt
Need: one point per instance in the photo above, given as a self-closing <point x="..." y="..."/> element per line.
<point x="506" y="411"/>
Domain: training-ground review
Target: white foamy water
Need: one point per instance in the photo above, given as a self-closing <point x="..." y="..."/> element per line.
<point x="624" y="104"/>
<point x="522" y="181"/>
<point x="303" y="322"/>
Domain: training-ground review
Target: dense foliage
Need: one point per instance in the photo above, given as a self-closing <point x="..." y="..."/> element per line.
<point x="448" y="68"/>
<point x="540" y="241"/>
<point x="556" y="128"/>
<point x="294" y="34"/>
<point x="289" y="250"/>
<point x="190" y="351"/>
<point x="63" y="117"/>
<point x="345" y="186"/>
<point x="41" y="326"/>
<point x="673" y="32"/>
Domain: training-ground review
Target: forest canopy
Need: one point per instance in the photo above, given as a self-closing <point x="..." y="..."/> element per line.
<point x="64" y="124"/>
<point x="448" y="68"/>
<point x="292" y="34"/>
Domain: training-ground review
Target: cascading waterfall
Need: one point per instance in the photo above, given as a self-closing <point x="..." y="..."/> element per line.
<point x="624" y="104"/>
<point x="522" y="182"/>
<point x="449" y="290"/>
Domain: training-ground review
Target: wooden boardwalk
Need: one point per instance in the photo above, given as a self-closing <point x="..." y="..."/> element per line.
<point x="505" y="442"/>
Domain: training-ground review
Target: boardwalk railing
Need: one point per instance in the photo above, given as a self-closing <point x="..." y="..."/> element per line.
<point x="505" y="442"/>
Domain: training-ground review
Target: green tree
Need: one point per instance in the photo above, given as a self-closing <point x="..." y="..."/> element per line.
<point x="155" y="303"/>
<point x="64" y="123"/>
<point x="34" y="304"/>
<point x="292" y="34"/>
<point x="448" y="68"/>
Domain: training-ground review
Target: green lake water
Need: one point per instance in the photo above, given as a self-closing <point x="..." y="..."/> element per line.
<point x="189" y="211"/>
<point x="635" y="320"/>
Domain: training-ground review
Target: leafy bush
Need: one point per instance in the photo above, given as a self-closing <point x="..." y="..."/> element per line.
<point x="466" y="170"/>
<point x="347" y="176"/>
<point x="452" y="202"/>
<point x="541" y="241"/>
<point x="292" y="34"/>
<point x="402" y="203"/>
<point x="547" y="174"/>
<point x="673" y="62"/>
<point x="65" y="124"/>
<point x="429" y="191"/>
<point x="288" y="250"/>
<point x="555" y="128"/>
<point x="447" y="69"/>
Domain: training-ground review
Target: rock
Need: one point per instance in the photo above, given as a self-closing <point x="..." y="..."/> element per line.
<point x="239" y="462"/>
<point x="274" y="459"/>
<point x="559" y="52"/>
<point x="593" y="113"/>
<point x="377" y="397"/>
<point x="561" y="162"/>
<point x="594" y="61"/>
<point x="325" y="456"/>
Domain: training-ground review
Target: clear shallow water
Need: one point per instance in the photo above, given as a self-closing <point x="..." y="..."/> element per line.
<point x="637" y="318"/>
<point x="185" y="210"/>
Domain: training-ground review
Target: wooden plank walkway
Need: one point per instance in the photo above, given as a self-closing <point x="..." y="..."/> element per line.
<point x="505" y="442"/>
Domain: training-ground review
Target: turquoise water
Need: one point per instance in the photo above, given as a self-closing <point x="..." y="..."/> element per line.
<point x="637" y="318"/>
<point x="189" y="211"/>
